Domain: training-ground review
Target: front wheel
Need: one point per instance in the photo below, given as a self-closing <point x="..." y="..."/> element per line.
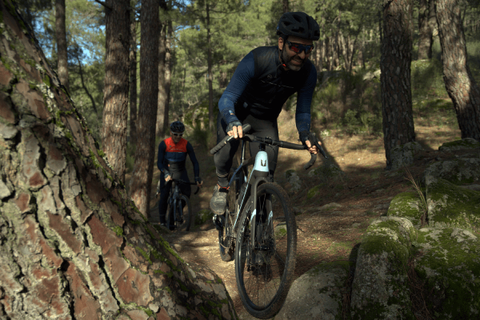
<point x="184" y="210"/>
<point x="264" y="268"/>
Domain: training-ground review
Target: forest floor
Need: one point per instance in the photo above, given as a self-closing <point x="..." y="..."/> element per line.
<point x="362" y="195"/>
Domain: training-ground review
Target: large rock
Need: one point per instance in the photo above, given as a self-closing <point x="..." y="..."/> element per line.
<point x="402" y="156"/>
<point x="317" y="294"/>
<point x="448" y="262"/>
<point x="407" y="205"/>
<point x="381" y="281"/>
<point x="452" y="206"/>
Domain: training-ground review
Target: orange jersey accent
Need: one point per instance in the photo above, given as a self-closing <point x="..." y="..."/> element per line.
<point x="181" y="146"/>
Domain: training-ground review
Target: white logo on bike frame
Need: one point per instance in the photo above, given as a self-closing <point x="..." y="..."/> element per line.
<point x="261" y="162"/>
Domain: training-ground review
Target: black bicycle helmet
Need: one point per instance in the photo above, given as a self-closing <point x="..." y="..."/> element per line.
<point x="298" y="24"/>
<point x="177" y="127"/>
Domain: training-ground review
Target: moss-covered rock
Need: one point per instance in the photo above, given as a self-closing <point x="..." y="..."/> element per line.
<point x="450" y="266"/>
<point x="459" y="171"/>
<point x="452" y="206"/>
<point x="381" y="280"/>
<point x="467" y="143"/>
<point x="318" y="293"/>
<point x="327" y="171"/>
<point x="407" y="205"/>
<point x="294" y="180"/>
<point x="403" y="155"/>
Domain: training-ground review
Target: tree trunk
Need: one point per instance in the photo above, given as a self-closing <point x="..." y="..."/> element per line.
<point x="162" y="94"/>
<point x="168" y="74"/>
<point x="115" y="99"/>
<point x="285" y="6"/>
<point x="425" y="38"/>
<point x="61" y="38"/>
<point x="133" y="78"/>
<point x="398" y="127"/>
<point x="460" y="85"/>
<point x="72" y="245"/>
<point x="209" y="73"/>
<point x="141" y="181"/>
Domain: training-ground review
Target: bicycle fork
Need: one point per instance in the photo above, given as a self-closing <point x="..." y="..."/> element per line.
<point x="259" y="174"/>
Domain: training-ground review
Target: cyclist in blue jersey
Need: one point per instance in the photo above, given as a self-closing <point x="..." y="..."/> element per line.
<point x="172" y="155"/>
<point x="264" y="79"/>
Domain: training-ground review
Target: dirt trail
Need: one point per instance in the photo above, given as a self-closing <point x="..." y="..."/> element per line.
<point x="331" y="223"/>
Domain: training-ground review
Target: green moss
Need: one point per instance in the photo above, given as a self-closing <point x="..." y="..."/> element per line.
<point x="407" y="205"/>
<point x="144" y="254"/>
<point x="313" y="192"/>
<point x="464" y="143"/>
<point x="149" y="312"/>
<point x="47" y="81"/>
<point x="391" y="236"/>
<point x="118" y="231"/>
<point x="150" y="233"/>
<point x="448" y="266"/>
<point x="450" y="205"/>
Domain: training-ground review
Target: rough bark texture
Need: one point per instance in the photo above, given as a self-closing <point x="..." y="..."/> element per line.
<point x="61" y="37"/>
<point x="115" y="99"/>
<point x="395" y="63"/>
<point x="133" y="79"/>
<point x="425" y="30"/>
<point x="141" y="181"/>
<point x="169" y="57"/>
<point x="162" y="94"/>
<point x="460" y="85"/>
<point x="72" y="246"/>
<point x="211" y="118"/>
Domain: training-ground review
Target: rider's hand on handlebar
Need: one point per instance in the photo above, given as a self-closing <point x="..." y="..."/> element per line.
<point x="168" y="178"/>
<point x="312" y="149"/>
<point x="235" y="129"/>
<point x="199" y="182"/>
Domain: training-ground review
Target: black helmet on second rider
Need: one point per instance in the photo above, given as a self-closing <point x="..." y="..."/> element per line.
<point x="177" y="127"/>
<point x="298" y="24"/>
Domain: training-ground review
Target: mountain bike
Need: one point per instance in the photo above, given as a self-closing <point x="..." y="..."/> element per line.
<point x="179" y="211"/>
<point x="258" y="229"/>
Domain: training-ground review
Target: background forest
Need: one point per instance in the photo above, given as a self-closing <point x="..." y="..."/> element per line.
<point x="201" y="42"/>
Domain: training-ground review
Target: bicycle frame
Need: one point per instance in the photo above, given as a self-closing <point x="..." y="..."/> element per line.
<point x="173" y="198"/>
<point x="259" y="174"/>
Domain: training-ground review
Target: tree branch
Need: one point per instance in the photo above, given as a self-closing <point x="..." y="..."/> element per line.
<point x="104" y="4"/>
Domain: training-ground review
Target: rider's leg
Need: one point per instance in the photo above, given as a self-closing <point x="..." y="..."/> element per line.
<point x="185" y="188"/>
<point x="223" y="162"/>
<point x="163" y="203"/>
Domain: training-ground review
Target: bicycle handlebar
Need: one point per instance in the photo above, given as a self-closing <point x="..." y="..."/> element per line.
<point x="181" y="181"/>
<point x="188" y="183"/>
<point x="269" y="141"/>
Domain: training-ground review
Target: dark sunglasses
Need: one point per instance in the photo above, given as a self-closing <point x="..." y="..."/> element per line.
<point x="177" y="134"/>
<point x="298" y="48"/>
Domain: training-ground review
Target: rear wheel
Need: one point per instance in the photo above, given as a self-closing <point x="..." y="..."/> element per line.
<point x="264" y="269"/>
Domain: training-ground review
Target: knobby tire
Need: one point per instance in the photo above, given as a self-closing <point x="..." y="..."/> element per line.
<point x="265" y="276"/>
